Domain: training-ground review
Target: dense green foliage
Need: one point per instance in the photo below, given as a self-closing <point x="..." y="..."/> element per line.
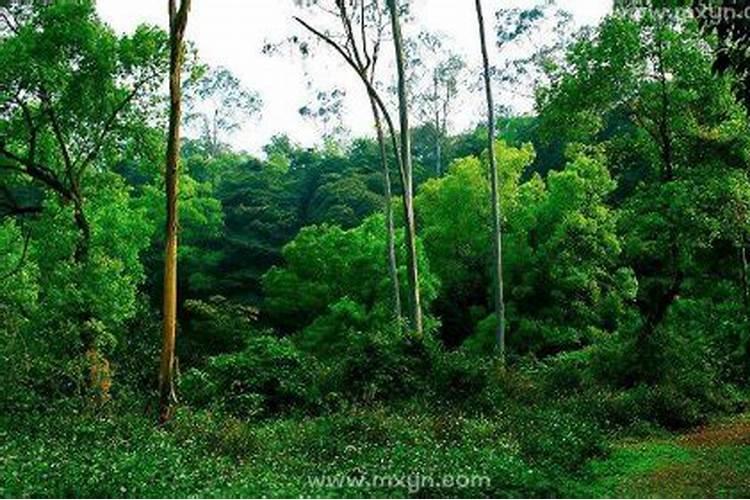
<point x="626" y="212"/>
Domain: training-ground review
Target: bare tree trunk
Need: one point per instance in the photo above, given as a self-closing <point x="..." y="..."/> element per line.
<point x="177" y="24"/>
<point x="438" y="155"/>
<point x="438" y="131"/>
<point x="497" y="231"/>
<point x="215" y="134"/>
<point x="415" y="306"/>
<point x="438" y="146"/>
<point x="355" y="62"/>
<point x="390" y="229"/>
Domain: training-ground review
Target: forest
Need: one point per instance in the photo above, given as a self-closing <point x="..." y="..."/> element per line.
<point x="552" y="303"/>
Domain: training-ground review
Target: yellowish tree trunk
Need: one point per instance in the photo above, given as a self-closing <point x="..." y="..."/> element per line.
<point x="177" y="24"/>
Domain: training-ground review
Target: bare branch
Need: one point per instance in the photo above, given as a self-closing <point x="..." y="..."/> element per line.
<point x="368" y="84"/>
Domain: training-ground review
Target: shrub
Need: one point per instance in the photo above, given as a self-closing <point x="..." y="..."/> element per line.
<point x="381" y="366"/>
<point x="217" y="326"/>
<point x="269" y="376"/>
<point x="565" y="373"/>
<point x="459" y="377"/>
<point x="668" y="376"/>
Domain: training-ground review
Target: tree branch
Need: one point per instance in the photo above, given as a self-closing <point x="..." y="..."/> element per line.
<point x="59" y="137"/>
<point x="83" y="161"/>
<point x="35" y="171"/>
<point x="370" y="90"/>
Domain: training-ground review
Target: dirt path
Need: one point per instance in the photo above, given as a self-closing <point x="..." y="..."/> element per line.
<point x="710" y="462"/>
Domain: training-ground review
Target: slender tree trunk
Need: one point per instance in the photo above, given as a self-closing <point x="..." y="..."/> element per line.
<point x="438" y="146"/>
<point x="439" y="156"/>
<point x="497" y="232"/>
<point x="655" y="309"/>
<point x="215" y="134"/>
<point x="438" y="131"/>
<point x="389" y="226"/>
<point x="99" y="375"/>
<point x="415" y="306"/>
<point x="177" y="24"/>
<point x="357" y="66"/>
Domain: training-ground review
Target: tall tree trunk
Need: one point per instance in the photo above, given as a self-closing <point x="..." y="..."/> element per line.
<point x="99" y="378"/>
<point x="438" y="146"/>
<point x="356" y="64"/>
<point x="497" y="232"/>
<point x="177" y="24"/>
<point x="389" y="226"/>
<point x="439" y="156"/>
<point x="655" y="308"/>
<point x="215" y="134"/>
<point x="415" y="305"/>
<point x="438" y="131"/>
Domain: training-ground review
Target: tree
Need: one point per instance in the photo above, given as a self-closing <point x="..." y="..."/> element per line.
<point x="65" y="99"/>
<point x="497" y="233"/>
<point x="436" y="75"/>
<point x="455" y="241"/>
<point x="326" y="112"/>
<point x="533" y="41"/>
<point x="328" y="284"/>
<point x="177" y="24"/>
<point x="731" y="56"/>
<point x="71" y="93"/>
<point x="361" y="51"/>
<point x="415" y="305"/>
<point x="218" y="104"/>
<point x="640" y="89"/>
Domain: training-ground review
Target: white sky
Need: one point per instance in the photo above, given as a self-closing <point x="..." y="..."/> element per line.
<point x="232" y="33"/>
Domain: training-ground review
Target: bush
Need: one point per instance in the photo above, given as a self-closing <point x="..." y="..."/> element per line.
<point x="381" y="366"/>
<point x="217" y="326"/>
<point x="566" y="373"/>
<point x="668" y="377"/>
<point x="269" y="376"/>
<point x="460" y="377"/>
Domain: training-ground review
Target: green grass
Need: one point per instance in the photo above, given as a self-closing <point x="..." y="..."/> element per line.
<point x="675" y="467"/>
<point x="406" y="451"/>
<point x="373" y="452"/>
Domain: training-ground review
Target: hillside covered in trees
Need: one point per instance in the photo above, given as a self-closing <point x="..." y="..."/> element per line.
<point x="545" y="304"/>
